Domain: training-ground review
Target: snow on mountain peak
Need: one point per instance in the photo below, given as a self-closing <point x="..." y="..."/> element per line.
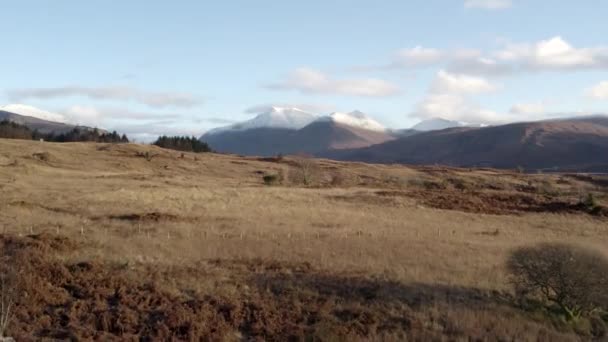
<point x="34" y="112"/>
<point x="275" y="117"/>
<point x="356" y="119"/>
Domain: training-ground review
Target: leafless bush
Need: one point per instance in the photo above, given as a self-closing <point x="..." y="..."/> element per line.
<point x="338" y="179"/>
<point x="147" y="155"/>
<point x="42" y="156"/>
<point x="574" y="278"/>
<point x="306" y="171"/>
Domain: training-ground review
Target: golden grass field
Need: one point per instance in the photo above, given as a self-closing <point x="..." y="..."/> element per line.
<point x="367" y="252"/>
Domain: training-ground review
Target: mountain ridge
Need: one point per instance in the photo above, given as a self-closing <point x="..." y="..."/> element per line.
<point x="564" y="144"/>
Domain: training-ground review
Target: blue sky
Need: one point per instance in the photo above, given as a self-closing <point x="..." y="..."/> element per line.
<point x="152" y="67"/>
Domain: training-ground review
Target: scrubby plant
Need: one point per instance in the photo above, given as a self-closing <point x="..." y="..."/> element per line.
<point x="589" y="201"/>
<point x="547" y="188"/>
<point x="146" y="155"/>
<point x="573" y="278"/>
<point x="305" y="171"/>
<point x="42" y="156"/>
<point x="272" y="179"/>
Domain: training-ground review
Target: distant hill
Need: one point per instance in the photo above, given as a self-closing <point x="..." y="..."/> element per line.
<point x="23" y="115"/>
<point x="567" y="145"/>
<point x="42" y="126"/>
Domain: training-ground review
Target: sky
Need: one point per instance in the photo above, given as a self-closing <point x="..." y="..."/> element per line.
<point x="183" y="67"/>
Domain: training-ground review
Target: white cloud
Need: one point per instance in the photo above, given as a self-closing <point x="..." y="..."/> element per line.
<point x="91" y="115"/>
<point x="453" y="107"/>
<point x="446" y="82"/>
<point x="152" y="99"/>
<point x="599" y="91"/>
<point x="552" y="54"/>
<point x="312" y="81"/>
<point x="528" y="108"/>
<point x="418" y="56"/>
<point x="139" y="126"/>
<point x="488" y="4"/>
<point x="448" y="99"/>
<point x="311" y="108"/>
<point x="481" y="66"/>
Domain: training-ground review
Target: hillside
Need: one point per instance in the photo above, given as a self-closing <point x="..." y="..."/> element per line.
<point x="42" y="126"/>
<point x="125" y="241"/>
<point x="561" y="145"/>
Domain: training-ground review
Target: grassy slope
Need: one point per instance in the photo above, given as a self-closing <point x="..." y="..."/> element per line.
<point x="207" y="226"/>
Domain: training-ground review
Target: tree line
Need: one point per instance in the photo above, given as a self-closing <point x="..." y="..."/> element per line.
<point x="12" y="130"/>
<point x="182" y="143"/>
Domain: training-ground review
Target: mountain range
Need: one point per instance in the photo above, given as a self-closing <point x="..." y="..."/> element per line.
<point x="292" y="131"/>
<point x="37" y="119"/>
<point x="575" y="144"/>
<point x="579" y="144"/>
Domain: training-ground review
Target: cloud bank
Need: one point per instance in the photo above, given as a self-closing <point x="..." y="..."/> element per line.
<point x="152" y="99"/>
<point x="311" y="81"/>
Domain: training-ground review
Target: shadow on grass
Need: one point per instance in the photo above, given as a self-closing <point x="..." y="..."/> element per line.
<point x="367" y="290"/>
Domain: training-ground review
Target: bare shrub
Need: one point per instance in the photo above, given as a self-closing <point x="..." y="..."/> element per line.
<point x="146" y="155"/>
<point x="306" y="171"/>
<point x="274" y="179"/>
<point x="545" y="187"/>
<point x="42" y="156"/>
<point x="573" y="278"/>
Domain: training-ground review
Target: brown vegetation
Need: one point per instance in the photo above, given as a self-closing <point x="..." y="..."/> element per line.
<point x="572" y="277"/>
<point x="122" y="247"/>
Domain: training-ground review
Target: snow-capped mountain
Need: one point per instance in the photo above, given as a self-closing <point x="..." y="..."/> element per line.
<point x="276" y="117"/>
<point x="34" y="112"/>
<point x="354" y="119"/>
<point x="292" y="131"/>
<point x="435" y="124"/>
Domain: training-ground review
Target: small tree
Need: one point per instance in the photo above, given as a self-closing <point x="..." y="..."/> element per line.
<point x="574" y="278"/>
<point x="306" y="171"/>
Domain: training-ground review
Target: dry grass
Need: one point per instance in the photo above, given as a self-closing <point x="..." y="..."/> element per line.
<point x="170" y="212"/>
